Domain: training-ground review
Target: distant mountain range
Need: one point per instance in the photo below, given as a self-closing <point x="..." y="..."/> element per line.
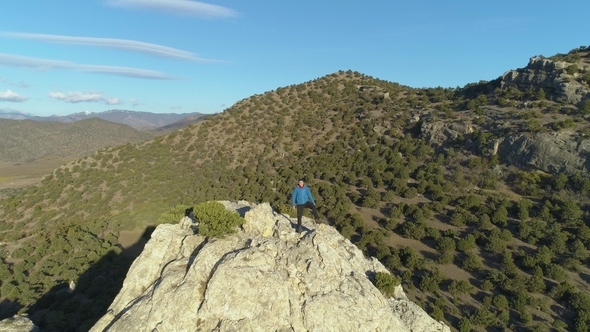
<point x="134" y="119"/>
<point x="28" y="140"/>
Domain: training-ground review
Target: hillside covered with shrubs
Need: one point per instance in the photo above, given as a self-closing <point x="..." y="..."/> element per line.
<point x="479" y="243"/>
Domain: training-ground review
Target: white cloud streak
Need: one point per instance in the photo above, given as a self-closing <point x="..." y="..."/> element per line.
<point x="80" y="97"/>
<point x="12" y="97"/>
<point x="40" y="64"/>
<point x="113" y="43"/>
<point x="178" y="7"/>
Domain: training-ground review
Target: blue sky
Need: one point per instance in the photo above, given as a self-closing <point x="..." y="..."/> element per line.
<point x="180" y="56"/>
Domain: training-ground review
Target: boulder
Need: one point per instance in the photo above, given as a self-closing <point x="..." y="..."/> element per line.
<point x="18" y="323"/>
<point x="259" y="220"/>
<point x="265" y="277"/>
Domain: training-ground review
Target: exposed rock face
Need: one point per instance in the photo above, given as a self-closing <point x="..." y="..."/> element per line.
<point x="549" y="75"/>
<point x="18" y="323"/>
<point x="264" y="278"/>
<point x="555" y="152"/>
<point x="442" y="133"/>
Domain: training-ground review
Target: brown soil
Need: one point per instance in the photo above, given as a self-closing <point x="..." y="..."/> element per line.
<point x="20" y="175"/>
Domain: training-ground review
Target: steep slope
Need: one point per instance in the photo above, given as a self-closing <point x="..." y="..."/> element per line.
<point x="464" y="229"/>
<point x="264" y="278"/>
<point x="184" y="122"/>
<point x="26" y="140"/>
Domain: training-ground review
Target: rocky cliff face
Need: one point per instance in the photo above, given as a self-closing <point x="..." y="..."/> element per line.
<point x="445" y="133"/>
<point x="556" y="152"/>
<point x="549" y="75"/>
<point x="266" y="277"/>
<point x="553" y="152"/>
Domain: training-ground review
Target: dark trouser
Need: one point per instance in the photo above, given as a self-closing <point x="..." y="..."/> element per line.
<point x="300" y="208"/>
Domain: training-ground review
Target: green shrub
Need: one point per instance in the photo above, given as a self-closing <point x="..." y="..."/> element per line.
<point x="500" y="302"/>
<point x="410" y="193"/>
<point x="483" y="317"/>
<point x="464" y="325"/>
<point x="472" y="263"/>
<point x="215" y="221"/>
<point x="446" y="258"/>
<point x="572" y="69"/>
<point x="466" y="243"/>
<point x="445" y="244"/>
<point x="487" y="285"/>
<point x="386" y="283"/>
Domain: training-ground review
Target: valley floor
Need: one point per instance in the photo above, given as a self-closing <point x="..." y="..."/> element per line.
<point x="16" y="175"/>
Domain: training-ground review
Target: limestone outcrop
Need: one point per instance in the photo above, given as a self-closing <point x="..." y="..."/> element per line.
<point x="555" y="152"/>
<point x="440" y="133"/>
<point x="266" y="277"/>
<point x="549" y="75"/>
<point x="551" y="152"/>
<point x="18" y="323"/>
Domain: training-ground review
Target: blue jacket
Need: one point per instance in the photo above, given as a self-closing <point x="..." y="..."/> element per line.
<point x="301" y="196"/>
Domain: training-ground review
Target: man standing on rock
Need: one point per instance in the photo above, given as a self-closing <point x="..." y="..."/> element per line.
<point x="301" y="199"/>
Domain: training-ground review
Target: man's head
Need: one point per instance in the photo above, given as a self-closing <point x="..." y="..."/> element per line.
<point x="301" y="183"/>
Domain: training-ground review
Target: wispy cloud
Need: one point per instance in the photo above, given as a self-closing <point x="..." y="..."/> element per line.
<point x="113" y="43"/>
<point x="11" y="60"/>
<point x="134" y="102"/>
<point x="21" y="84"/>
<point x="80" y="97"/>
<point x="12" y="97"/>
<point x="178" y="7"/>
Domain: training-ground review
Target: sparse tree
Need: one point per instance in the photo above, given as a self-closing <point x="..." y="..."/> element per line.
<point x="472" y="263"/>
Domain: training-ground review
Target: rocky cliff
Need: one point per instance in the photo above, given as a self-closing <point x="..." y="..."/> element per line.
<point x="550" y="75"/>
<point x="555" y="152"/>
<point x="266" y="277"/>
<point x="551" y="152"/>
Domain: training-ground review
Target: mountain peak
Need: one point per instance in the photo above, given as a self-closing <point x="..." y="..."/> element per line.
<point x="264" y="277"/>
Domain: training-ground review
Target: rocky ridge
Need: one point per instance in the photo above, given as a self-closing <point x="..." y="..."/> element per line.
<point x="554" y="152"/>
<point x="550" y="152"/>
<point x="550" y="75"/>
<point x="266" y="277"/>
